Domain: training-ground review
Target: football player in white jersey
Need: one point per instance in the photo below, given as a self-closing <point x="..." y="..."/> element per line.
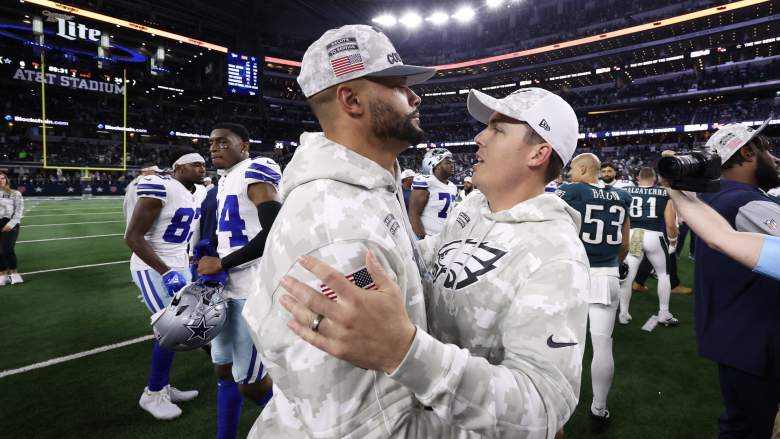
<point x="248" y="202"/>
<point x="433" y="194"/>
<point x="158" y="233"/>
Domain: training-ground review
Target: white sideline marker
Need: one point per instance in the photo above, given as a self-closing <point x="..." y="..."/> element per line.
<point x="75" y="356"/>
<point x="75" y="267"/>
<point x="72" y="237"/>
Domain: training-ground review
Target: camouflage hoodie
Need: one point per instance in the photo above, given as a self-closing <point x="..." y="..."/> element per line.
<point x="508" y="295"/>
<point x="337" y="205"/>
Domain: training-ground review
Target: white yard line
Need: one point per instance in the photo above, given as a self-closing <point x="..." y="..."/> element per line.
<point x="75" y="356"/>
<point x="84" y="211"/>
<point x="75" y="267"/>
<point x="66" y="214"/>
<point x="71" y="237"/>
<point x="24" y="226"/>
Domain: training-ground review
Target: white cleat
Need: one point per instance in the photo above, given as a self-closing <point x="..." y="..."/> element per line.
<point x="16" y="278"/>
<point x="667" y="319"/>
<point x="624" y="319"/>
<point x="180" y="395"/>
<point x="5" y="280"/>
<point x="159" y="404"/>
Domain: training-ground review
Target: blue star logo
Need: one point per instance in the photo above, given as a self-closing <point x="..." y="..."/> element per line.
<point x="199" y="330"/>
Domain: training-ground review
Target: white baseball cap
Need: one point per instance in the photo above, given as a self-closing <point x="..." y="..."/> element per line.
<point x="407" y="173"/>
<point x="545" y="112"/>
<point x="731" y="137"/>
<point x="467" y="180"/>
<point x="351" y="52"/>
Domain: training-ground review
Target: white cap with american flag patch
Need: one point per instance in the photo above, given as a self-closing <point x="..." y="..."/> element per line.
<point x="352" y="52"/>
<point x="731" y="137"/>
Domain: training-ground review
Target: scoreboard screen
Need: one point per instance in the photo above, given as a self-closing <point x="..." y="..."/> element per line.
<point x="242" y="75"/>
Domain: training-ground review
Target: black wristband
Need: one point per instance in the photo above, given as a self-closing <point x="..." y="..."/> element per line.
<point x="253" y="249"/>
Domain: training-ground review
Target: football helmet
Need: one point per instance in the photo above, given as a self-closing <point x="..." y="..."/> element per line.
<point x="194" y="317"/>
<point x="432" y="158"/>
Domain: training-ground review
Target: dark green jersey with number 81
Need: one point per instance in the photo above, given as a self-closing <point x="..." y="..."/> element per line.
<point x="647" y="208"/>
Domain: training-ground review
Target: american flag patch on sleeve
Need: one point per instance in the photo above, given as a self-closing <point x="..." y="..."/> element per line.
<point x="361" y="278"/>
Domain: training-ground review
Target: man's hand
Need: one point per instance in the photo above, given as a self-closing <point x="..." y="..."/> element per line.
<point x="368" y="328"/>
<point x="174" y="281"/>
<point x="209" y="265"/>
<point x="7" y="228"/>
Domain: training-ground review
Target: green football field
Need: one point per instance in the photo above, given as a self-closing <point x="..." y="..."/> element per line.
<point x="78" y="297"/>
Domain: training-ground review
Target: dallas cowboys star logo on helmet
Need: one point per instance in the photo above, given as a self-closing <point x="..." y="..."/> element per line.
<point x="199" y="330"/>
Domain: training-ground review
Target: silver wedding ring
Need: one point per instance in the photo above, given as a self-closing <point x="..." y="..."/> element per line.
<point x="315" y="324"/>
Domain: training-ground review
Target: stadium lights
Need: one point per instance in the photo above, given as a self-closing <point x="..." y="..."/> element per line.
<point x="411" y="20"/>
<point x="492" y="4"/>
<point x="438" y="18"/>
<point x="464" y="14"/>
<point x="385" y="20"/>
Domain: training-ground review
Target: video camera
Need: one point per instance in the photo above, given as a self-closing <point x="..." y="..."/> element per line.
<point x="698" y="171"/>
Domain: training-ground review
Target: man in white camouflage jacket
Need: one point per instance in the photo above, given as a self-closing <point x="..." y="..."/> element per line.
<point x="341" y="198"/>
<point x="507" y="305"/>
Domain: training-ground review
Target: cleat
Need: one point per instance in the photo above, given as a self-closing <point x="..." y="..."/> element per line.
<point x="679" y="289"/>
<point x="637" y="287"/>
<point x="624" y="319"/>
<point x="667" y="319"/>
<point x="599" y="424"/>
<point x="159" y="404"/>
<point x="16" y="278"/>
<point x="5" y="280"/>
<point x="177" y="395"/>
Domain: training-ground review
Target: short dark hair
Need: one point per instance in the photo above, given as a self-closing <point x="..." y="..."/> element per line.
<point x="646" y="173"/>
<point x="531" y="136"/>
<point x="148" y="165"/>
<point x="608" y="165"/>
<point x="758" y="143"/>
<point x="555" y="164"/>
<point x="235" y="128"/>
<point x="554" y="167"/>
<point x="179" y="152"/>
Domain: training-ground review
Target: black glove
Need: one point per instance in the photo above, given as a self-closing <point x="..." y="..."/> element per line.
<point x="623" y="271"/>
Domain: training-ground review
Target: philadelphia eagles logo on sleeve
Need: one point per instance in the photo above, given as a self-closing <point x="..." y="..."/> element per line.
<point x="452" y="264"/>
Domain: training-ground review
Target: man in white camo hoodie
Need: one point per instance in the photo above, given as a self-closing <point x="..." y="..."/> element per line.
<point x="341" y="199"/>
<point x="507" y="306"/>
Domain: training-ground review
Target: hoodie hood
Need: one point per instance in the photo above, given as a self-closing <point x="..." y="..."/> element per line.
<point x="544" y="207"/>
<point x="319" y="158"/>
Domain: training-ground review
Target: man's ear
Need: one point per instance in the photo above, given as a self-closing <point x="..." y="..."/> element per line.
<point x="747" y="152"/>
<point x="350" y="99"/>
<point x="540" y="154"/>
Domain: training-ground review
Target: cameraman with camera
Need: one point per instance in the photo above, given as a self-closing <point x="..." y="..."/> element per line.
<point x="736" y="309"/>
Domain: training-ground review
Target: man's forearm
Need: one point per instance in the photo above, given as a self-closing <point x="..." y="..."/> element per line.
<point x="266" y="213"/>
<point x="143" y="250"/>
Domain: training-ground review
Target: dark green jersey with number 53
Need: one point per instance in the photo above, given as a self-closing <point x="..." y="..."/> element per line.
<point x="603" y="212"/>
